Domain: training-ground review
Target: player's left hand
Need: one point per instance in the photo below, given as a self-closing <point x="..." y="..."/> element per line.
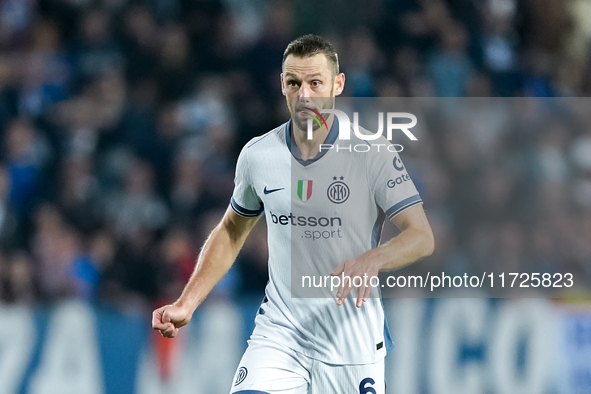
<point x="361" y="268"/>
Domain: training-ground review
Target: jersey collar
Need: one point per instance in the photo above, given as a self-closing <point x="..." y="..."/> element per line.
<point x="291" y="145"/>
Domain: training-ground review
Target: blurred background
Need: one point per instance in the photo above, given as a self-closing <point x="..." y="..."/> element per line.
<point x="120" y="124"/>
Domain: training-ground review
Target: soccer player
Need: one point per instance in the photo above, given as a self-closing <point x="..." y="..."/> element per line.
<point x="324" y="210"/>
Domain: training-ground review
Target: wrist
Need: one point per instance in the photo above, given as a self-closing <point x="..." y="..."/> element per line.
<point x="186" y="306"/>
<point x="377" y="259"/>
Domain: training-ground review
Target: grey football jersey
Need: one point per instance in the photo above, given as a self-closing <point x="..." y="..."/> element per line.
<point x="320" y="212"/>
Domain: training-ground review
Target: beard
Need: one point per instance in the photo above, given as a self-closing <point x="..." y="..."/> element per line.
<point x="299" y="109"/>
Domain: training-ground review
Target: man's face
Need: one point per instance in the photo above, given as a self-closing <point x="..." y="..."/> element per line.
<point x="309" y="82"/>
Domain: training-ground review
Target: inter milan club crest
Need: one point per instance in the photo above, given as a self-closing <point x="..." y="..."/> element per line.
<point x="338" y="191"/>
<point x="304" y="190"/>
<point x="241" y="375"/>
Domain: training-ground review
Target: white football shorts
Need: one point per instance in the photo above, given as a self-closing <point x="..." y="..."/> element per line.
<point x="268" y="367"/>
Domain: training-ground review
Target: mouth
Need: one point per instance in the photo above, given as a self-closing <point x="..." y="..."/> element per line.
<point x="310" y="113"/>
<point x="306" y="111"/>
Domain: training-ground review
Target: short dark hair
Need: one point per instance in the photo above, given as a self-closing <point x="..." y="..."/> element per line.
<point x="310" y="45"/>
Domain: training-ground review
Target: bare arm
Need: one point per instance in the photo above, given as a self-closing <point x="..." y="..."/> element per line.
<point x="216" y="258"/>
<point x="413" y="243"/>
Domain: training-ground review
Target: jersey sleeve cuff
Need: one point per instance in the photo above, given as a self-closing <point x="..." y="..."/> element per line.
<point x="403" y="206"/>
<point x="249" y="213"/>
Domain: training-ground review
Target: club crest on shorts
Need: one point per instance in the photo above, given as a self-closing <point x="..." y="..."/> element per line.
<point x="304" y="189"/>
<point x="338" y="191"/>
<point x="241" y="375"/>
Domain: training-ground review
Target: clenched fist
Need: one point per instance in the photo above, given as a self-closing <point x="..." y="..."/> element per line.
<point x="169" y="319"/>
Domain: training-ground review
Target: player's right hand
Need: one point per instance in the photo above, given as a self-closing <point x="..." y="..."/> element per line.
<point x="169" y="319"/>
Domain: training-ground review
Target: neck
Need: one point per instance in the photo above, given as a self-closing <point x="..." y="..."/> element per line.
<point x="310" y="148"/>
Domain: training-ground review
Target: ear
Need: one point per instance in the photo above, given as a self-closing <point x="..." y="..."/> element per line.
<point x="282" y="84"/>
<point x="339" y="84"/>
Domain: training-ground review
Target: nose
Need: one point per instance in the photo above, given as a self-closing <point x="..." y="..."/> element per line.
<point x="304" y="93"/>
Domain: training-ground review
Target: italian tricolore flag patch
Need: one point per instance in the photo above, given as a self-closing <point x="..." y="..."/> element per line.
<point x="304" y="190"/>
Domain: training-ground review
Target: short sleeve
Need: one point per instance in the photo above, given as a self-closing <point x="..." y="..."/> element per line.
<point x="245" y="201"/>
<point x="393" y="187"/>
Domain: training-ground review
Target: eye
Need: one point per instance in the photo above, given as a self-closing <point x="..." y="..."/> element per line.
<point x="316" y="83"/>
<point x="292" y="83"/>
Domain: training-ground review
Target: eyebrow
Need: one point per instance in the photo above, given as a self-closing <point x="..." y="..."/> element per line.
<point x="291" y="75"/>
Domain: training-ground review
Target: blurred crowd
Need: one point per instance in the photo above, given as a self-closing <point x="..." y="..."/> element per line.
<point x="507" y="186"/>
<point x="120" y="124"/>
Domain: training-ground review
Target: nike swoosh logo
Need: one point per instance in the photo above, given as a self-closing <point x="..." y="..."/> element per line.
<point x="272" y="190"/>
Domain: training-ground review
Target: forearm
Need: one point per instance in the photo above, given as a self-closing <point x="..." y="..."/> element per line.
<point x="407" y="247"/>
<point x="217" y="256"/>
<point x="413" y="243"/>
